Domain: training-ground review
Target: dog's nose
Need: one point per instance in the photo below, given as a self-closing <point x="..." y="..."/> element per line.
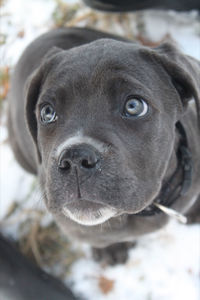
<point x="82" y="156"/>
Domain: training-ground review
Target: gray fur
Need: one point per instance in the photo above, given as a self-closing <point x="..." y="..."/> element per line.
<point x="88" y="78"/>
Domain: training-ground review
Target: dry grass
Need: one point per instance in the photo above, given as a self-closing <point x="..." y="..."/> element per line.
<point x="4" y="82"/>
<point x="48" y="247"/>
<point x="130" y="25"/>
<point x="44" y="245"/>
<point x="80" y="15"/>
<point x="64" y="13"/>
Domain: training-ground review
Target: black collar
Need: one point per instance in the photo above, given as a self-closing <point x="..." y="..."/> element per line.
<point x="179" y="182"/>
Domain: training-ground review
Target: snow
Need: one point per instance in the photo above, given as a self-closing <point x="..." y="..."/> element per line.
<point x="164" y="265"/>
<point x="30" y="17"/>
<point x="183" y="28"/>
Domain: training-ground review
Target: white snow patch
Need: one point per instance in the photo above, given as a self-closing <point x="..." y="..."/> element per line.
<point x="184" y="28"/>
<point x="32" y="17"/>
<point x="164" y="265"/>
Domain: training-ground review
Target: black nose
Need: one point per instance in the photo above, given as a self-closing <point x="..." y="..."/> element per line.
<point x="82" y="156"/>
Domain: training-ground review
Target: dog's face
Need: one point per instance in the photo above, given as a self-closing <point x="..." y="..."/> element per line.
<point x="104" y="127"/>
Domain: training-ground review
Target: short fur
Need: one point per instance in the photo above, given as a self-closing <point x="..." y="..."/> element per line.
<point x="87" y="77"/>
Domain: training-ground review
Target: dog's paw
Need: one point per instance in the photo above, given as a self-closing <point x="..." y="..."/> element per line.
<point x="114" y="254"/>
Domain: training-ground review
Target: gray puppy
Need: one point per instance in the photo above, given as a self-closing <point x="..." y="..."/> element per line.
<point x="107" y="126"/>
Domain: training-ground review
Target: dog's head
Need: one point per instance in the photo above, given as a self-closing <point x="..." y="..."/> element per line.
<point x="102" y="117"/>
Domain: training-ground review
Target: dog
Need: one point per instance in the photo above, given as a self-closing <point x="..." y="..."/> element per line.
<point x="111" y="129"/>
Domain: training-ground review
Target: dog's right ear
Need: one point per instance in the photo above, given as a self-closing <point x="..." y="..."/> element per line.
<point x="184" y="72"/>
<point x="32" y="91"/>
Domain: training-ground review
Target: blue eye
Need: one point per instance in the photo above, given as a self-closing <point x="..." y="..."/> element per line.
<point x="135" y="107"/>
<point x="48" y="114"/>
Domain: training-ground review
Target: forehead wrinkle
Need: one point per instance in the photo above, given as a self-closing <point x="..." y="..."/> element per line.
<point x="116" y="78"/>
<point x="125" y="79"/>
<point x="68" y="81"/>
<point x="104" y="71"/>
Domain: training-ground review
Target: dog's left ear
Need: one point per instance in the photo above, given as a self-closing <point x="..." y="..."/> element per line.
<point x="183" y="70"/>
<point x="32" y="91"/>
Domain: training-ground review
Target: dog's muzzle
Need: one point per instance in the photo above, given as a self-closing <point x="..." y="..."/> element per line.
<point x="79" y="160"/>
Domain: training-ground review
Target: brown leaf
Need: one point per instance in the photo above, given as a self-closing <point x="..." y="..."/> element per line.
<point x="106" y="285"/>
<point x="21" y="33"/>
<point x="146" y="42"/>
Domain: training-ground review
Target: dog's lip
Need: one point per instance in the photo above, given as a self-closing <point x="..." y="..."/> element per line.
<point x="88" y="213"/>
<point x="83" y="203"/>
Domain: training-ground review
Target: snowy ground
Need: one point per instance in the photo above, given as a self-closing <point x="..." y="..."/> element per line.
<point x="164" y="265"/>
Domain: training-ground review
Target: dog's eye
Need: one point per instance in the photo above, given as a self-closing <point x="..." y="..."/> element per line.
<point x="48" y="114"/>
<point x="135" y="107"/>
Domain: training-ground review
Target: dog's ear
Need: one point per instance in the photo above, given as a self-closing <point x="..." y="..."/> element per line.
<point x="184" y="72"/>
<point x="32" y="91"/>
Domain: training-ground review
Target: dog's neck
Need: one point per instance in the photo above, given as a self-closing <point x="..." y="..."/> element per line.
<point x="179" y="181"/>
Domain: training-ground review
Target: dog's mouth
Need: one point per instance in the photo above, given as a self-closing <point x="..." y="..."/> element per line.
<point x="87" y="213"/>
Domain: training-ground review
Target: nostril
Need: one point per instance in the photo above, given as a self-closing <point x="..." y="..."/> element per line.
<point x="85" y="164"/>
<point x="80" y="156"/>
<point x="65" y="164"/>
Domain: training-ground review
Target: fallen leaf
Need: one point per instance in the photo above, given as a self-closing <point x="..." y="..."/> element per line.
<point x="21" y="33"/>
<point x="106" y="285"/>
<point x="146" y="42"/>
